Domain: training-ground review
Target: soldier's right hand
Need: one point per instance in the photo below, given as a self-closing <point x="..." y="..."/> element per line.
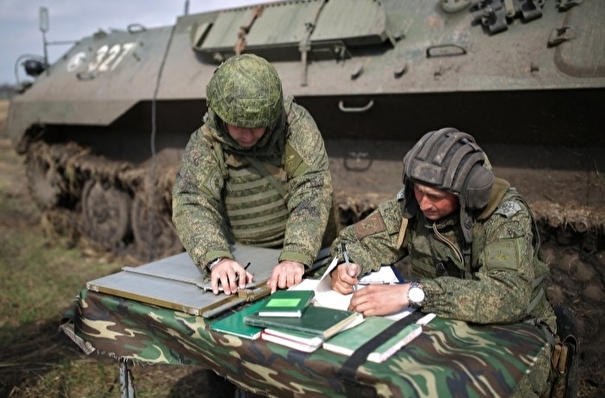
<point x="344" y="279"/>
<point x="231" y="276"/>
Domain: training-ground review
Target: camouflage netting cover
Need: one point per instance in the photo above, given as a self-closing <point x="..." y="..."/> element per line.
<point x="448" y="358"/>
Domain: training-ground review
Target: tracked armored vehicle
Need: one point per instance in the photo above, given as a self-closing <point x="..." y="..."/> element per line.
<point x="103" y="128"/>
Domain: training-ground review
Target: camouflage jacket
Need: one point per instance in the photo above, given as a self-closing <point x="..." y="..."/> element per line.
<point x="496" y="284"/>
<point x="199" y="189"/>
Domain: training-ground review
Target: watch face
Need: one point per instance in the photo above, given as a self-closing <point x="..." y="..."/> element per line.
<point x="416" y="295"/>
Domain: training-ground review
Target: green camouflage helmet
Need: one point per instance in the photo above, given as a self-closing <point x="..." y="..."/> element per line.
<point x="246" y="91"/>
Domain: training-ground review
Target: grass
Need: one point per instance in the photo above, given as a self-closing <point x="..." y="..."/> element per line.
<point x="40" y="275"/>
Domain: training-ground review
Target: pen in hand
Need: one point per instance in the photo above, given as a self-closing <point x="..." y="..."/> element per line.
<point x="343" y="247"/>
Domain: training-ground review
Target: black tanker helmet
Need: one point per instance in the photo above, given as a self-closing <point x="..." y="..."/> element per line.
<point x="449" y="160"/>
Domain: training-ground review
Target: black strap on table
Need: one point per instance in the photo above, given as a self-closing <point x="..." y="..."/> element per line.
<point x="348" y="371"/>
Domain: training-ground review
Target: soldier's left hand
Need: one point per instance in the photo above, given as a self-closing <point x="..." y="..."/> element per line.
<point x="285" y="275"/>
<point x="379" y="299"/>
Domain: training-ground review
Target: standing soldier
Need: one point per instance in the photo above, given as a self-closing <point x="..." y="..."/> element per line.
<point x="255" y="173"/>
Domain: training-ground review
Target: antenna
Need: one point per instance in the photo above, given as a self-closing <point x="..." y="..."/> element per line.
<point x="43" y="24"/>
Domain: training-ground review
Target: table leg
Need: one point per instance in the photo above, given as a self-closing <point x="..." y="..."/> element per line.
<point x="126" y="382"/>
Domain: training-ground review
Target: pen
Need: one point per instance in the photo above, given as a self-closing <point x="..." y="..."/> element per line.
<point x="247" y="265"/>
<point x="343" y="248"/>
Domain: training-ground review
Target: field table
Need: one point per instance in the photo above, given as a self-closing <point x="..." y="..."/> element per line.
<point x="450" y="358"/>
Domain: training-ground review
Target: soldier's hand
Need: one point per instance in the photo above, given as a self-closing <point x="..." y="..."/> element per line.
<point x="344" y="279"/>
<point x="231" y="276"/>
<point x="285" y="275"/>
<point x="379" y="299"/>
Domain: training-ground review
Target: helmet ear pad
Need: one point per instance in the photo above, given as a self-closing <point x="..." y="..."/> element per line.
<point x="477" y="187"/>
<point x="411" y="206"/>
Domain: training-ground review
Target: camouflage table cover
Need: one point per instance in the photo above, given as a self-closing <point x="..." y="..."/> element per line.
<point x="450" y="358"/>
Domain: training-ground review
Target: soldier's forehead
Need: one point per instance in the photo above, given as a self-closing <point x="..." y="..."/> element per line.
<point x="428" y="189"/>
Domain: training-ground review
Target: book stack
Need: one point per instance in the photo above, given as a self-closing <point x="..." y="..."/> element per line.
<point x="304" y="329"/>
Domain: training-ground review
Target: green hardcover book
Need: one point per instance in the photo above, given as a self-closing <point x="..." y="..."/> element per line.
<point x="234" y="323"/>
<point x="348" y="341"/>
<point x="287" y="303"/>
<point x="319" y="321"/>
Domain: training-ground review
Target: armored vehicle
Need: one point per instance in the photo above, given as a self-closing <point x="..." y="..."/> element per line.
<point x="103" y="128"/>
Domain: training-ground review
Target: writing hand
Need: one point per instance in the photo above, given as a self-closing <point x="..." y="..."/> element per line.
<point x="344" y="278"/>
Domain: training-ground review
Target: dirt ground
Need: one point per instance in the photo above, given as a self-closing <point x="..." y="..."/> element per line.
<point x="576" y="257"/>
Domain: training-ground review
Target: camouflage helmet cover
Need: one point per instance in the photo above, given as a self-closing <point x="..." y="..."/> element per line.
<point x="452" y="161"/>
<point x="246" y="91"/>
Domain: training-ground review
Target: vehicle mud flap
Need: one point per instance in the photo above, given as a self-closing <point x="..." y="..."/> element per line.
<point x="348" y="372"/>
<point x="565" y="358"/>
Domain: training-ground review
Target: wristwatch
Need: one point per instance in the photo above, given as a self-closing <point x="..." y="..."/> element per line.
<point x="415" y="295"/>
<point x="213" y="263"/>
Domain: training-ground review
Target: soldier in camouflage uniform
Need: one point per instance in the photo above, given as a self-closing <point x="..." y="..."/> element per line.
<point x="471" y="240"/>
<point x="255" y="173"/>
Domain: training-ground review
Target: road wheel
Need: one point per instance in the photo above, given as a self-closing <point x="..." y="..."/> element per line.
<point x="43" y="182"/>
<point x="106" y="214"/>
<point x="154" y="233"/>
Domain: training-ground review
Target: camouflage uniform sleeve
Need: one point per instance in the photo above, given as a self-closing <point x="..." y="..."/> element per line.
<point x="310" y="190"/>
<point x="196" y="206"/>
<point x="372" y="241"/>
<point x="500" y="290"/>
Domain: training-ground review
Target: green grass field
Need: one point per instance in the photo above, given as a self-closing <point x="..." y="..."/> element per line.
<point x="40" y="275"/>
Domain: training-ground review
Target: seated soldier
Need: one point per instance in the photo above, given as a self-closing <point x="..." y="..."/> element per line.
<point x="471" y="239"/>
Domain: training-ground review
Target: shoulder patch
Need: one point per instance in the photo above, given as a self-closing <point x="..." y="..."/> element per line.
<point x="293" y="162"/>
<point x="508" y="208"/>
<point x="504" y="254"/>
<point x="369" y="226"/>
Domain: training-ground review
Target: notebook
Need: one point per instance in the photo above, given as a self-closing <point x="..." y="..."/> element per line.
<point x="288" y="303"/>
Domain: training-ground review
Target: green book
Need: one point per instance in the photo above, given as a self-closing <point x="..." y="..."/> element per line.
<point x="348" y="341"/>
<point x="287" y="303"/>
<point x="234" y="323"/>
<point x="318" y="321"/>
